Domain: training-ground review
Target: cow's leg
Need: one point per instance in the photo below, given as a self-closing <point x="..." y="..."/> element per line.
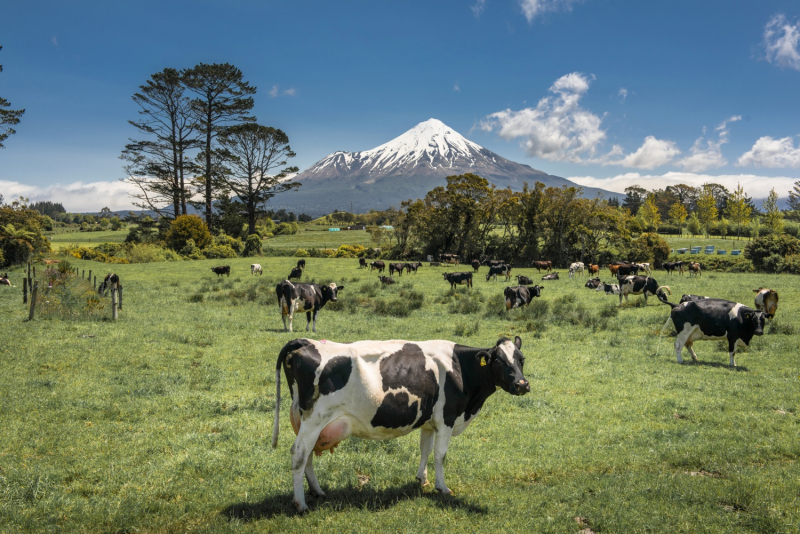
<point x="683" y="339"/>
<point x="314" y="327"/>
<point x="311" y="476"/>
<point x="732" y="351"/>
<point x="301" y="449"/>
<point x="441" y="442"/>
<point x="425" y="446"/>
<point x="308" y="321"/>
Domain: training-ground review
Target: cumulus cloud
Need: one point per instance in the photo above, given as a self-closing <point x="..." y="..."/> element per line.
<point x="76" y="197"/>
<point x="533" y="8"/>
<point x="754" y="185"/>
<point x="653" y="153"/>
<point x="558" y="128"/>
<point x="706" y="154"/>
<point x="478" y="8"/>
<point x="772" y="153"/>
<point x="781" y="39"/>
<point x="622" y="94"/>
<point x="276" y="91"/>
<point x="290" y="92"/>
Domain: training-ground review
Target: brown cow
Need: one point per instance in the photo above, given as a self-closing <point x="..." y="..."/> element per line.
<point x="614" y="268"/>
<point x="539" y="265"/>
<point x="766" y="300"/>
<point x="694" y="269"/>
<point x="593" y="269"/>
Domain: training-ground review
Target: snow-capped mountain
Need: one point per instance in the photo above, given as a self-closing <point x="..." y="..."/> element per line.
<point x="406" y="167"/>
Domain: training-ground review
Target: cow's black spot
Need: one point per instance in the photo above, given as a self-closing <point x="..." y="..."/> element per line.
<point x="468" y="386"/>
<point x="304" y="365"/>
<point x="395" y="411"/>
<point x="335" y="374"/>
<point x="406" y="369"/>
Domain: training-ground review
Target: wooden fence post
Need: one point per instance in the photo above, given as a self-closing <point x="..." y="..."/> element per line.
<point x="120" y="297"/>
<point x="114" y="302"/>
<point x="24" y="290"/>
<point x="95" y="283"/>
<point x="34" y="271"/>
<point x="83" y="274"/>
<point x="90" y="275"/>
<point x="29" y="272"/>
<point x="33" y="301"/>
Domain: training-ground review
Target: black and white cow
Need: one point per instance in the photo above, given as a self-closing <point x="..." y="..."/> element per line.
<point x="670" y="266"/>
<point x="640" y="285"/>
<point x="766" y="300"/>
<point x="576" y="268"/>
<point x="517" y="297"/>
<point x="551" y="276"/>
<point x="256" y="268"/>
<point x="594" y="283"/>
<point x="4" y="281"/>
<point x="714" y="319"/>
<point x="362" y="263"/>
<point x="493" y="263"/>
<point x="296" y="273"/>
<point x="494" y="270"/>
<point x="222" y="269"/>
<point x="689" y="298"/>
<point x="112" y="280"/>
<point x="301" y="264"/>
<point x="306" y="297"/>
<point x="386" y="389"/>
<point x="524" y="280"/>
<point x="608" y="289"/>
<point x="379" y="265"/>
<point x="448" y="258"/>
<point x="627" y="270"/>
<point x="386" y="280"/>
<point x="458" y="279"/>
<point x="396" y="268"/>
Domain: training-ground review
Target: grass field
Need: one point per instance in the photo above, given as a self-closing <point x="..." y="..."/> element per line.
<point x="162" y="421"/>
<point x="59" y="240"/>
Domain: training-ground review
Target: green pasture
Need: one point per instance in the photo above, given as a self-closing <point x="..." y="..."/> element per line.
<point x="59" y="240"/>
<point x="161" y="422"/>
<point x="311" y="236"/>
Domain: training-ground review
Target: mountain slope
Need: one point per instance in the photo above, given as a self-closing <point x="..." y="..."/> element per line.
<point x="406" y="167"/>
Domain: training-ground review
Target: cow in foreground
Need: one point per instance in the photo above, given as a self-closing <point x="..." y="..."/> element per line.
<point x="296" y="273"/>
<point x="111" y="280"/>
<point x="494" y="270"/>
<point x="524" y="280"/>
<point x="458" y="279"/>
<point x="379" y="265"/>
<point x="222" y="269"/>
<point x="766" y="301"/>
<point x="386" y="389"/>
<point x="688" y="298"/>
<point x="714" y="319"/>
<point x="551" y="276"/>
<point x="517" y="297"/>
<point x="256" y="268"/>
<point x="306" y="297"/>
<point x="640" y="285"/>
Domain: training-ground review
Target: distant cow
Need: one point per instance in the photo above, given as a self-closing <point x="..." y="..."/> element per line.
<point x="609" y="289"/>
<point x="766" y="301"/>
<point x="458" y="279"/>
<point x="493" y="263"/>
<point x="614" y="268"/>
<point x="112" y="280"/>
<point x="435" y="264"/>
<point x="576" y="267"/>
<point x="396" y="268"/>
<point x="362" y="263"/>
<point x="593" y="269"/>
<point x="306" y="297"/>
<point x="627" y="270"/>
<point x="448" y="258"/>
<point x="256" y="268"/>
<point x="539" y="265"/>
<point x="670" y="266"/>
<point x="222" y="269"/>
<point x="296" y="273"/>
<point x="505" y="270"/>
<point x="386" y="389"/>
<point x="644" y="267"/>
<point x="379" y="265"/>
<point x="517" y="297"/>
<point x="4" y="281"/>
<point x="593" y="283"/>
<point x="386" y="280"/>
<point x="524" y="280"/>
<point x="640" y="285"/>
<point x="689" y="298"/>
<point x="475" y="265"/>
<point x="412" y="267"/>
<point x="551" y="276"/>
<point x="715" y="319"/>
<point x="301" y="264"/>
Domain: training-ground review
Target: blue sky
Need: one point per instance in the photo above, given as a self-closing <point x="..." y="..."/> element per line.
<point x="608" y="93"/>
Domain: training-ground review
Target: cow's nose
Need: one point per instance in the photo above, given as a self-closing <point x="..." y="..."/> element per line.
<point x="523" y="387"/>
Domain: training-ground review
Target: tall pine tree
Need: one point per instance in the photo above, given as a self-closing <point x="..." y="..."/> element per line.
<point x="8" y="117"/>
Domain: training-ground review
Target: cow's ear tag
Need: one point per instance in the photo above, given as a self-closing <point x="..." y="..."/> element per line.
<point x="484" y="360"/>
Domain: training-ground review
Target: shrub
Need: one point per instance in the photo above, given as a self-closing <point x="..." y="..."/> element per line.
<point x="286" y="229"/>
<point x="791" y="264"/>
<point x="224" y="240"/>
<point x="301" y="253"/>
<point x="2" y="258"/>
<point x="185" y="228"/>
<point x="150" y="253"/>
<point x="762" y="248"/>
<point x="219" y="252"/>
<point x="350" y="251"/>
<point x="252" y="246"/>
<point x="649" y="247"/>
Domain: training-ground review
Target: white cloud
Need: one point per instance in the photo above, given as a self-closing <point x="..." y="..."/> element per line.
<point x="274" y="91"/>
<point x="622" y="94"/>
<point x="781" y="39"/>
<point x="533" y="8"/>
<point x="754" y="185"/>
<point x="709" y="155"/>
<point x="557" y="128"/>
<point x="76" y="197"/>
<point x="290" y="92"/>
<point x="478" y="8"/>
<point x="772" y="153"/>
<point x="54" y="40"/>
<point x="456" y="88"/>
<point x="653" y="153"/>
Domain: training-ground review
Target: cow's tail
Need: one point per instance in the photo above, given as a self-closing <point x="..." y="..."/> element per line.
<point x="276" y="423"/>
<point x="661" y="294"/>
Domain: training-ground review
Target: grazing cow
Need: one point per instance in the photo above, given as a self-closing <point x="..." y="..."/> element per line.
<point x="386" y="280"/>
<point x="4" y="281"/>
<point x="475" y="265"/>
<point x="694" y="269"/>
<point x="111" y="280"/>
<point x="593" y="269"/>
<point x="307" y="297"/>
<point x="715" y="319"/>
<point x="594" y="283"/>
<point x="493" y="263"/>
<point x="377" y="265"/>
<point x="519" y="296"/>
<point x="670" y="266"/>
<point x="362" y="263"/>
<point x="614" y="267"/>
<point x="396" y="268"/>
<point x="551" y="276"/>
<point x="222" y="269"/>
<point x="386" y="389"/>
<point x="458" y="279"/>
<point x="435" y="264"/>
<point x="688" y="298"/>
<point x="627" y="270"/>
<point x="301" y="264"/>
<point x="524" y="280"/>
<point x="640" y="285"/>
<point x="644" y="267"/>
<point x="609" y="289"/>
<point x="412" y="267"/>
<point x="539" y="265"/>
<point x="576" y="267"/>
<point x="448" y="258"/>
<point x="766" y="301"/>
<point x="256" y="268"/>
<point x="297" y="272"/>
<point x="499" y="269"/>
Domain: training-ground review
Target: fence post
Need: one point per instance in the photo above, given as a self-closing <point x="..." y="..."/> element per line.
<point x="83" y="274"/>
<point x="29" y="272"/>
<point x="24" y="290"/>
<point x="90" y="275"/>
<point x="95" y="283"/>
<point x="34" y="271"/>
<point x="114" y="302"/>
<point x="33" y="301"/>
<point x="120" y="297"/>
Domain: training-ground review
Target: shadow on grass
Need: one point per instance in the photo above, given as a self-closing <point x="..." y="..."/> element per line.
<point x="738" y="368"/>
<point x="341" y="499"/>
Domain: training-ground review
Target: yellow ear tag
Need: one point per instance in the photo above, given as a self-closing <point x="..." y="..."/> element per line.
<point x="483" y="360"/>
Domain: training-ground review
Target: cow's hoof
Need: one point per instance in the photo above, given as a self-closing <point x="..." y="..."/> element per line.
<point x="423" y="482"/>
<point x="444" y="491"/>
<point x="319" y="493"/>
<point x="301" y="507"/>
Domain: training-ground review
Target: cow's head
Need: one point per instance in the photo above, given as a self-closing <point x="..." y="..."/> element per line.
<point x="536" y="291"/>
<point x="505" y="362"/>
<point x="329" y="292"/>
<point x="756" y="319"/>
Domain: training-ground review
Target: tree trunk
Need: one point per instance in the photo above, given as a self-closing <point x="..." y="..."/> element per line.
<point x="208" y="166"/>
